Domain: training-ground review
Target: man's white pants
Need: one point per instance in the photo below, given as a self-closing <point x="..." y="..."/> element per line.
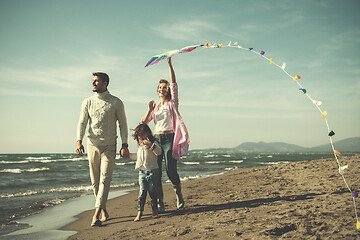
<point x="101" y="164"/>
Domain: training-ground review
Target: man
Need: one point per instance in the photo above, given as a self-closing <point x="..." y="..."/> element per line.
<point x="102" y="111"/>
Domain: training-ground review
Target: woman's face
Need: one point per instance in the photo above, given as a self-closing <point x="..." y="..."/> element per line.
<point x="163" y="89"/>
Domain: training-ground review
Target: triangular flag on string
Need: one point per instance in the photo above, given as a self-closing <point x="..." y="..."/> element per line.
<point x="283" y="66"/>
<point x="341" y="169"/>
<point x="324" y="114"/>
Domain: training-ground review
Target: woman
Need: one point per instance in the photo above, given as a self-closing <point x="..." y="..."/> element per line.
<point x="171" y="132"/>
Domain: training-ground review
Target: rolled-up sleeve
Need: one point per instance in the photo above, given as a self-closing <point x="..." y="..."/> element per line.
<point x="156" y="149"/>
<point x="174" y="94"/>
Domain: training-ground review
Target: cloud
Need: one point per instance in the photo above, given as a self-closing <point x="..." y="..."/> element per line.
<point x="185" y="30"/>
<point x="65" y="80"/>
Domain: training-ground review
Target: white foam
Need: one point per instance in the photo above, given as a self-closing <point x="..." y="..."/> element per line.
<point x="62" y="189"/>
<point x="236" y="161"/>
<point x="18" y="170"/>
<point x="231" y="168"/>
<point x="124" y="163"/>
<point x="191" y="163"/>
<point x="213" y="162"/>
<point x="14" y="162"/>
<point x="38" y="158"/>
<point x="272" y="163"/>
<point x="43" y="160"/>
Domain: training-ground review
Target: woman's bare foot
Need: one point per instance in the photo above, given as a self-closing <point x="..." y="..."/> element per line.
<point x="105" y="215"/>
<point x="155" y="214"/>
<point x="138" y="217"/>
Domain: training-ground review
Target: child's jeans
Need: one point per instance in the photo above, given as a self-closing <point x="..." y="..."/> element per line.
<point x="148" y="180"/>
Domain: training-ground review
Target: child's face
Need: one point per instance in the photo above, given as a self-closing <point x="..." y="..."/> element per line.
<point x="142" y="138"/>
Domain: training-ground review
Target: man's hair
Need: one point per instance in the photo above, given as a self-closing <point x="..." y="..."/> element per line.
<point x="103" y="76"/>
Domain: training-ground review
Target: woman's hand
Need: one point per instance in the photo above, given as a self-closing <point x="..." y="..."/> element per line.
<point x="151" y="105"/>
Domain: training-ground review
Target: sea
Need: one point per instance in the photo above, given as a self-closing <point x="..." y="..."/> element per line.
<point x="32" y="183"/>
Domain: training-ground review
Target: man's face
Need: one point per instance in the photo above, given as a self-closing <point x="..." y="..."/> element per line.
<point x="98" y="85"/>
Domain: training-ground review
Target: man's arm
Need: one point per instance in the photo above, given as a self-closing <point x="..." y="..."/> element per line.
<point x="121" y="117"/>
<point x="83" y="120"/>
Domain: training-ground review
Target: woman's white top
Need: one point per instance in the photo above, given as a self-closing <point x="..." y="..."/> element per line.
<point x="163" y="120"/>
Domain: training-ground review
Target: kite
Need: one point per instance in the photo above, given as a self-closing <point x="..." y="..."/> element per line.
<point x="162" y="56"/>
<point x="296" y="79"/>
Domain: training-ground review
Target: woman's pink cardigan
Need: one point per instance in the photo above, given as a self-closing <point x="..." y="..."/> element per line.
<point x="181" y="136"/>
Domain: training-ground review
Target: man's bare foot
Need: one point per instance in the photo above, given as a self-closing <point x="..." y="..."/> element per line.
<point x="95" y="219"/>
<point x="105" y="215"/>
<point x="95" y="223"/>
<point x="138" y="217"/>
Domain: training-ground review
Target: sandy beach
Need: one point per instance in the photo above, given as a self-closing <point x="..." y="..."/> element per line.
<point x="298" y="200"/>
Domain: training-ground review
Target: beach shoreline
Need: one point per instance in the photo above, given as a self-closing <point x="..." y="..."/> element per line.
<point x="302" y="200"/>
<point x="47" y="224"/>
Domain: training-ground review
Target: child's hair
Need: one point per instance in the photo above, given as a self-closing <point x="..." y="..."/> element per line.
<point x="143" y="130"/>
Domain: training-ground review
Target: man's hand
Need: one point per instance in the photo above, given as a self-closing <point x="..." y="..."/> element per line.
<point x="79" y="148"/>
<point x="124" y="152"/>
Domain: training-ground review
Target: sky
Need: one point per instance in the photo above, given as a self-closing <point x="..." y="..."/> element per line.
<point x="228" y="96"/>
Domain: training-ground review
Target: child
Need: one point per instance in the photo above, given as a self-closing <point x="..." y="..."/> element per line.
<point x="146" y="163"/>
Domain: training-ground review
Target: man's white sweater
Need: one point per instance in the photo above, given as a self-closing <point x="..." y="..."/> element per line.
<point x="102" y="110"/>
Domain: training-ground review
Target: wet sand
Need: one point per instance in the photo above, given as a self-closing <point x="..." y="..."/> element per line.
<point x="298" y="200"/>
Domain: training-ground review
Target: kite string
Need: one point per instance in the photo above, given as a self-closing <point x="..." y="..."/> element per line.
<point x="323" y="113"/>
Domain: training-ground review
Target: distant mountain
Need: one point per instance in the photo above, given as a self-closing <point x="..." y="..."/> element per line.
<point x="269" y="147"/>
<point x="346" y="145"/>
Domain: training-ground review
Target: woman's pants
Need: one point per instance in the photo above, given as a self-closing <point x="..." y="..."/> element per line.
<point x="166" y="142"/>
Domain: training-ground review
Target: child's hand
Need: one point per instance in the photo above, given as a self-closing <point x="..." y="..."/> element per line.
<point x="147" y="143"/>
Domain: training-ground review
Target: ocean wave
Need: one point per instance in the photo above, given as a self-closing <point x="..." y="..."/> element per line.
<point x="191" y="163"/>
<point x="237" y="161"/>
<point x="18" y="170"/>
<point x="187" y="178"/>
<point x="213" y="162"/>
<point x="231" y="168"/>
<point x="59" y="190"/>
<point x="43" y="160"/>
<point x="53" y="190"/>
<point x="124" y="185"/>
<point x="124" y="163"/>
<point x="271" y="163"/>
<point x="37" y="158"/>
<point x="226" y="155"/>
<point x="209" y="156"/>
<point x="13" y="162"/>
